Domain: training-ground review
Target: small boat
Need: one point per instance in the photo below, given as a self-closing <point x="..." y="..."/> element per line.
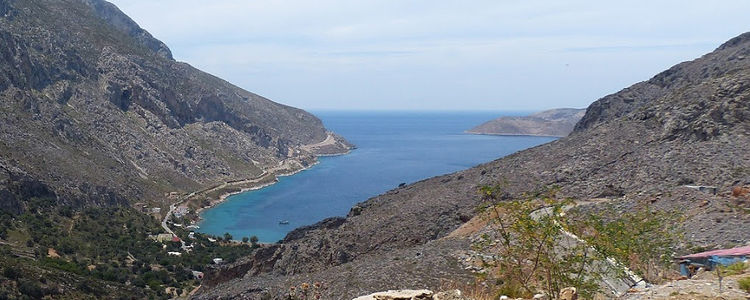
<point x="284" y="222"/>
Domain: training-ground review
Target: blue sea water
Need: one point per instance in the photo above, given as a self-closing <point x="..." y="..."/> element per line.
<point x="392" y="148"/>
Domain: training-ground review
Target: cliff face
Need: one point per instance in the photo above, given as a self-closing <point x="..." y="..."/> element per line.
<point x="95" y="110"/>
<point x="688" y="125"/>
<point x="722" y="62"/>
<point x="554" y="122"/>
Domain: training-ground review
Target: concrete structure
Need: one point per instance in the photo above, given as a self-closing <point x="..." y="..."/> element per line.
<point x="198" y="275"/>
<point x="180" y="211"/>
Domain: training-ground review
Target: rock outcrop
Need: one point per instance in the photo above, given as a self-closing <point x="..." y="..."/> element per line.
<point x="688" y="125"/>
<point x="554" y="122"/>
<point x="95" y="111"/>
<point x="414" y="295"/>
<point x="399" y="295"/>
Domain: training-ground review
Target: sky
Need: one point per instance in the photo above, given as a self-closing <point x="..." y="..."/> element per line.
<point x="499" y="55"/>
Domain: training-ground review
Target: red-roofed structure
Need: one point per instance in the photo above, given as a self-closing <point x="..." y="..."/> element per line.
<point x="175" y="239"/>
<point x="709" y="259"/>
<point x="739" y="251"/>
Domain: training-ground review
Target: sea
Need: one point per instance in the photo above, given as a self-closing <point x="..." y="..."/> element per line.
<point x="392" y="148"/>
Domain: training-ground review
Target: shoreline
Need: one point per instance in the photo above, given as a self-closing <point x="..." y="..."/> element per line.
<point x="290" y="171"/>
<point x="333" y="154"/>
<point x="223" y="197"/>
<point x="514" y="134"/>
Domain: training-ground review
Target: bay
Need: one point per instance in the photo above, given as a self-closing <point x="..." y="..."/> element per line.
<point x="392" y="148"/>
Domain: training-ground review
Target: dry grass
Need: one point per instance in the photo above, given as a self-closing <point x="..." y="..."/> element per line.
<point x="476" y="290"/>
<point x="474" y="225"/>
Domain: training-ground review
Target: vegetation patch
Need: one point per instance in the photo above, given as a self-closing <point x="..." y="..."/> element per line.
<point x="539" y="247"/>
<point x="744" y="284"/>
<point x="101" y="249"/>
<point x="733" y="269"/>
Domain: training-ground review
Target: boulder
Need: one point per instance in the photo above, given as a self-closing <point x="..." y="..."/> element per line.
<point x="569" y="293"/>
<point x="398" y="295"/>
<point x="540" y="297"/>
<point x="449" y="295"/>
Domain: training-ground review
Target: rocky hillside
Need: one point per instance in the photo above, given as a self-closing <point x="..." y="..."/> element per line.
<point x="687" y="125"/>
<point x="554" y="122"/>
<point x="94" y="110"/>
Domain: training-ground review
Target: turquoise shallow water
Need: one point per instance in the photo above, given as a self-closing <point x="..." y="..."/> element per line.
<point x="393" y="147"/>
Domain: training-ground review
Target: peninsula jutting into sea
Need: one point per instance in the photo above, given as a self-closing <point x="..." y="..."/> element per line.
<point x="465" y="151"/>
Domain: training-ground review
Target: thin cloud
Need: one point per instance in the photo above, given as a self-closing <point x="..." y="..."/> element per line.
<point x="424" y="54"/>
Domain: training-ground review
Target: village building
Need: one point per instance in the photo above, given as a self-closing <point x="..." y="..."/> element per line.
<point x="180" y="211"/>
<point x="198" y="275"/>
<point x="708" y="260"/>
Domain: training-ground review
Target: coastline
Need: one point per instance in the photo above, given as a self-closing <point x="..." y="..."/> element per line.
<point x="515" y="134"/>
<point x="333" y="154"/>
<point x="291" y="167"/>
<point x="224" y="196"/>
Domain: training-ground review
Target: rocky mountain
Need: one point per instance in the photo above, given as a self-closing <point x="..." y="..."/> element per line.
<point x="95" y="111"/>
<point x="554" y="122"/>
<point x="689" y="125"/>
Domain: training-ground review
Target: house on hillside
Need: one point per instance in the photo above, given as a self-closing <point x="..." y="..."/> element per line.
<point x="689" y="264"/>
<point x="197" y="275"/>
<point x="181" y="211"/>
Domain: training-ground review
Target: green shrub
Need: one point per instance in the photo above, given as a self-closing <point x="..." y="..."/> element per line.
<point x="642" y="239"/>
<point x="62" y="265"/>
<point x="734" y="269"/>
<point x="744" y="284"/>
<point x="11" y="272"/>
<point x="530" y="258"/>
<point x="31" y="289"/>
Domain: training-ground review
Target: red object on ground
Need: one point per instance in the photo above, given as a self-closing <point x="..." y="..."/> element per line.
<point x="175" y="239"/>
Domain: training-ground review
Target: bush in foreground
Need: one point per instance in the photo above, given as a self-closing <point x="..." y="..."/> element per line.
<point x="744" y="284"/>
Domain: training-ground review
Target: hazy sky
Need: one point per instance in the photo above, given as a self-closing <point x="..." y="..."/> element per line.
<point x="437" y="55"/>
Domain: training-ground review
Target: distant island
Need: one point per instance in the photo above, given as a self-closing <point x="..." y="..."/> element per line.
<point x="554" y="122"/>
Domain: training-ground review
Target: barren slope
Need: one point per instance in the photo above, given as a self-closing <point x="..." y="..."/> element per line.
<point x="687" y="125"/>
<point x="95" y="111"/>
